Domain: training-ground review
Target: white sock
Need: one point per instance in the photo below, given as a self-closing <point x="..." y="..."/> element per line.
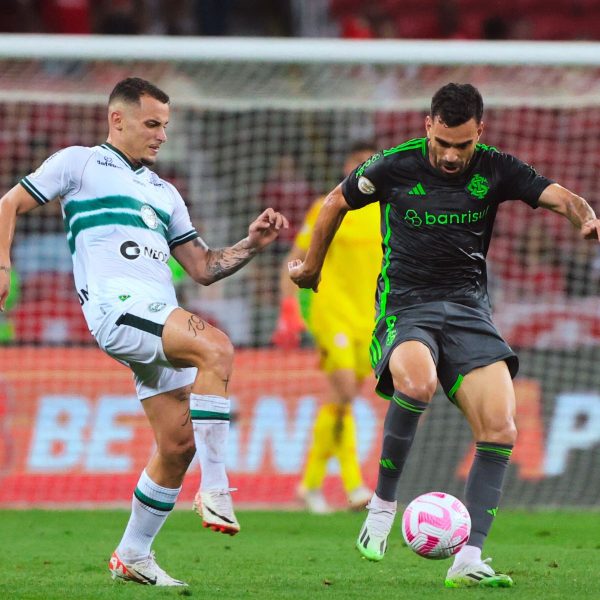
<point x="210" y="418"/>
<point x="150" y="507"/>
<point x="467" y="555"/>
<point x="377" y="502"/>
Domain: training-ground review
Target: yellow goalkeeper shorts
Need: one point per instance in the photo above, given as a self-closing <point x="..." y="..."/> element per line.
<point x="341" y="348"/>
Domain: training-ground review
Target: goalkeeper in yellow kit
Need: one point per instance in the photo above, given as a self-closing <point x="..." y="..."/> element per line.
<point x="340" y="318"/>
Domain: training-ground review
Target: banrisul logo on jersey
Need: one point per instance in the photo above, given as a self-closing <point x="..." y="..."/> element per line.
<point x="478" y="186"/>
<point x="416" y="220"/>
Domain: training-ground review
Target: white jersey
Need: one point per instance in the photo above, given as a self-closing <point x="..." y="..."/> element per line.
<point x="122" y="223"/>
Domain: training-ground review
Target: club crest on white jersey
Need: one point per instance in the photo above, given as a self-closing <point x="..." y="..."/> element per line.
<point x="149" y="216"/>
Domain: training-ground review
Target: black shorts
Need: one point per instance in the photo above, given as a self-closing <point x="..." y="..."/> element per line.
<point x="460" y="337"/>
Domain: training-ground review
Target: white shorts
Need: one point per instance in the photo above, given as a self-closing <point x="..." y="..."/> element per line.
<point x="134" y="338"/>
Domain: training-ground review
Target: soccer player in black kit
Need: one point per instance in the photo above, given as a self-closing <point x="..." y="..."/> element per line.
<point x="439" y="196"/>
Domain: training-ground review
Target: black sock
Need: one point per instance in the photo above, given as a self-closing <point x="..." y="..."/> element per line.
<point x="398" y="433"/>
<point x="484" y="487"/>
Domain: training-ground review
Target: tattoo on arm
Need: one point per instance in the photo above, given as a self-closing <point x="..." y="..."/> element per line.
<point x="225" y="261"/>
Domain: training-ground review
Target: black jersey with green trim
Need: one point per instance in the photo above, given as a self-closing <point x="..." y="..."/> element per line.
<point x="436" y="229"/>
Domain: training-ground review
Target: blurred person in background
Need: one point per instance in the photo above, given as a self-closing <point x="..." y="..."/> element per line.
<point x="120" y="17"/>
<point x="18" y="16"/>
<point x="66" y="16"/>
<point x="287" y="190"/>
<point x="340" y="319"/>
<point x="170" y="17"/>
<point x="123" y="223"/>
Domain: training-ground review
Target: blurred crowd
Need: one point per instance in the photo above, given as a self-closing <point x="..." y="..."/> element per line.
<point x="285" y="160"/>
<point x="354" y="19"/>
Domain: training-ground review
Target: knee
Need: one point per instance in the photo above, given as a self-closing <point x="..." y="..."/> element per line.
<point x="419" y="388"/>
<point x="500" y="431"/>
<point x="218" y="356"/>
<point x="179" y="452"/>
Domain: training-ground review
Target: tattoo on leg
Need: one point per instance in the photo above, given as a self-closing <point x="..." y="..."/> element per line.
<point x="226" y="383"/>
<point x="187" y="417"/>
<point x="196" y="324"/>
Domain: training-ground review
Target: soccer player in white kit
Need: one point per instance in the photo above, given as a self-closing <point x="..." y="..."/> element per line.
<point x="123" y="223"/>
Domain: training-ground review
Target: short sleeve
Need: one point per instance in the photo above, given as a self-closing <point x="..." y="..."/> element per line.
<point x="367" y="183"/>
<point x="58" y="175"/>
<point x="520" y="181"/>
<point x="180" y="229"/>
<point x="302" y="240"/>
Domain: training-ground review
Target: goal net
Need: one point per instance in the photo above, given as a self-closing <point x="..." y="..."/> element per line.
<point x="257" y="124"/>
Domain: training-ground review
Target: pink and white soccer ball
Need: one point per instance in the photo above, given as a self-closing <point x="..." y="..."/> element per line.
<point x="436" y="525"/>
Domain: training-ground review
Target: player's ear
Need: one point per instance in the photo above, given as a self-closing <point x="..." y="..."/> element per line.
<point x="428" y="124"/>
<point x="115" y="119"/>
<point x="479" y="130"/>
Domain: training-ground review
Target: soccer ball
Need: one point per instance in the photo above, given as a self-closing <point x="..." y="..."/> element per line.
<point x="436" y="525"/>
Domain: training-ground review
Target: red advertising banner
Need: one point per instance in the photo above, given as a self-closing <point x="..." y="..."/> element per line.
<point x="73" y="432"/>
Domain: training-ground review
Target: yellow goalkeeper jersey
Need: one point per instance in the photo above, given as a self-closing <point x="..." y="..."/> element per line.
<point x="349" y="275"/>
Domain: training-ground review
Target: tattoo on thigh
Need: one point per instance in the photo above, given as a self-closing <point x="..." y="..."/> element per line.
<point x="196" y="324"/>
<point x="187" y="417"/>
<point x="226" y="383"/>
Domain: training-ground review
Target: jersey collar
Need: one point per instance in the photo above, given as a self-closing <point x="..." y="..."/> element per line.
<point x="137" y="169"/>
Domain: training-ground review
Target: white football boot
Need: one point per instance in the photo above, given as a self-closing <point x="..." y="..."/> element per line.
<point x="216" y="509"/>
<point x="144" y="572"/>
<point x="372" y="539"/>
<point x="476" y="574"/>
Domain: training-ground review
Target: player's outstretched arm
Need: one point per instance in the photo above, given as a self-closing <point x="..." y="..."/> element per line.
<point x="206" y="265"/>
<point x="307" y="273"/>
<point x="15" y="202"/>
<point x="574" y="207"/>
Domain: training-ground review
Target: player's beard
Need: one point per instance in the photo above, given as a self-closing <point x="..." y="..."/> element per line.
<point x="462" y="167"/>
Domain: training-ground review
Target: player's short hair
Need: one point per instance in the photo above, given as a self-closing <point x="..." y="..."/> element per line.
<point x="457" y="103"/>
<point x="130" y="90"/>
<point x="362" y="145"/>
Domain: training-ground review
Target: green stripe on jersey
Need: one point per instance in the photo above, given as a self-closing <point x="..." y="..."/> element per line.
<point x="114" y="203"/>
<point x="486" y="148"/>
<point x="102" y="218"/>
<point x="415" y="144"/>
<point x="386" y="265"/>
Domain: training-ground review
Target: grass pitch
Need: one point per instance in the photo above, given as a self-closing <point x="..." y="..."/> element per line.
<point x="288" y="555"/>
